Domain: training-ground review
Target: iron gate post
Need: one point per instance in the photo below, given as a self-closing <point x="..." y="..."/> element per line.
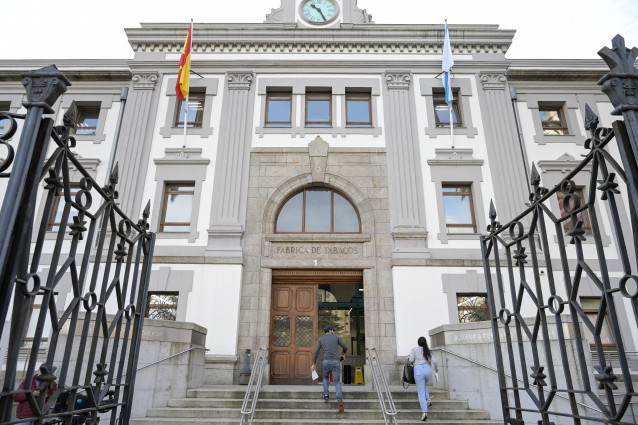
<point x="43" y="88"/>
<point x="621" y="86"/>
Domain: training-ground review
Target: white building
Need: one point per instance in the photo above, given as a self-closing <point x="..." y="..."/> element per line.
<point x="318" y="181"/>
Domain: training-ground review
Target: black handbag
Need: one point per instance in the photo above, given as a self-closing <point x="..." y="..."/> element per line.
<point x="408" y="375"/>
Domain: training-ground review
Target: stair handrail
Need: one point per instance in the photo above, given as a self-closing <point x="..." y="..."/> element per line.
<point x="258" y="370"/>
<point x="493" y="369"/>
<point x="384" y="395"/>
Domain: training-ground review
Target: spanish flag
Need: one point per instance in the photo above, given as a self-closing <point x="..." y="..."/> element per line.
<point x="181" y="88"/>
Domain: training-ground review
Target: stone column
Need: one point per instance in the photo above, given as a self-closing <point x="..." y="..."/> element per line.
<point x="504" y="151"/>
<point x="136" y="140"/>
<point x="230" y="188"/>
<point x="405" y="178"/>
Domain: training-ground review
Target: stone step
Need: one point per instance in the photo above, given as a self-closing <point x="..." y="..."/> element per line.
<point x="221" y="405"/>
<point x="274" y="403"/>
<point x="328" y="411"/>
<point x="323" y="421"/>
<point x="310" y="392"/>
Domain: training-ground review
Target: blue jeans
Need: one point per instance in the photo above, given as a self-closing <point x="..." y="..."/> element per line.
<point x="422" y="374"/>
<point x="333" y="366"/>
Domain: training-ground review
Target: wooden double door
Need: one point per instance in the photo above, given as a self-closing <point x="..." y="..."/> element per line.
<point x="299" y="312"/>
<point x="293" y="330"/>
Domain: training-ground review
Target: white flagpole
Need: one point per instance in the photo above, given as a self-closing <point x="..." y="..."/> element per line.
<point x="451" y="121"/>
<point x="190" y="49"/>
<point x="185" y="119"/>
<point x="446" y="67"/>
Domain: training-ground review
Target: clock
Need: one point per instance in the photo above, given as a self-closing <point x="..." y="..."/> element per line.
<point x="319" y="12"/>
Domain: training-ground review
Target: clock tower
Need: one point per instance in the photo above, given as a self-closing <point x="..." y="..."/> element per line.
<point x="319" y="13"/>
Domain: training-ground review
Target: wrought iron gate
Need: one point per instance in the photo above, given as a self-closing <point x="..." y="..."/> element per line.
<point x="88" y="343"/>
<point x="514" y="253"/>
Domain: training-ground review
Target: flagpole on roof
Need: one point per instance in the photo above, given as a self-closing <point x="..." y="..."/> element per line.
<point x="446" y="66"/>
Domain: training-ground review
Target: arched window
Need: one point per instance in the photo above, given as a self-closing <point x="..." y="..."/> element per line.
<point x="318" y="211"/>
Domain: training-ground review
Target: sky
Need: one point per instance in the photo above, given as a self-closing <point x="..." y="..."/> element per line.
<point x="77" y="29"/>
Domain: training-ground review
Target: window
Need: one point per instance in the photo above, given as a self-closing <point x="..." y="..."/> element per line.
<point x="196" y="100"/>
<point x="278" y="109"/>
<point x="442" y="110"/>
<point x="591" y="306"/>
<point x="86" y="119"/>
<point x="459" y="208"/>
<point x="4" y="107"/>
<point x="472" y="307"/>
<point x="161" y="305"/>
<point x="358" y="109"/>
<point x="318" y="109"/>
<point x="177" y="207"/>
<point x="32" y="323"/>
<point x="57" y="209"/>
<point x="583" y="215"/>
<point x="318" y="211"/>
<point x="553" y="120"/>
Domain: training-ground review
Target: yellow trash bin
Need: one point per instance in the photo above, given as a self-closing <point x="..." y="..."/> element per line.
<point x="358" y="375"/>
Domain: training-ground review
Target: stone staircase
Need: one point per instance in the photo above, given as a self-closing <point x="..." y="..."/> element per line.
<point x="221" y="405"/>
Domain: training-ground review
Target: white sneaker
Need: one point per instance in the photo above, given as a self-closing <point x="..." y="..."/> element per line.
<point x="429" y="401"/>
<point x="424" y="417"/>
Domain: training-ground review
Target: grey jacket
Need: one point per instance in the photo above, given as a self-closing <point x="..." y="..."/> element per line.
<point x="330" y="344"/>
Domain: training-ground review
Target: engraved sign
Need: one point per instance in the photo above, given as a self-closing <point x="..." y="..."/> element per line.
<point x="316" y="250"/>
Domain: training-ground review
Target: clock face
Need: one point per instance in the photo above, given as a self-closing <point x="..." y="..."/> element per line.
<point x="319" y="12"/>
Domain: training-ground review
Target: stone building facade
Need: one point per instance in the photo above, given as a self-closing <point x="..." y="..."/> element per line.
<point x="411" y="264"/>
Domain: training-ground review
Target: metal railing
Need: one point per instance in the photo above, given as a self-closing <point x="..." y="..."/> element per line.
<point x="493" y="369"/>
<point x="258" y="370"/>
<point x="170" y="357"/>
<point x="388" y="408"/>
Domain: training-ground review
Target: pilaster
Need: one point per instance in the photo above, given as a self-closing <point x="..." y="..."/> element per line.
<point x="230" y="188"/>
<point x="404" y="168"/>
<point x="503" y="148"/>
<point x="136" y="139"/>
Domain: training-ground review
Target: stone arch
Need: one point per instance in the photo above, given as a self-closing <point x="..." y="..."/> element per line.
<point x="332" y="181"/>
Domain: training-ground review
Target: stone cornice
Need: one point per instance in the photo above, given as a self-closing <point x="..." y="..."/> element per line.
<point x="279" y="38"/>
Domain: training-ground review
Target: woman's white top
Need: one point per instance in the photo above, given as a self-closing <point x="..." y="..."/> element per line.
<point x="416" y="357"/>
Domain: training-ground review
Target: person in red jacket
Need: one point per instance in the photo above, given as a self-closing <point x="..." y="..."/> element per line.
<point x="24" y="408"/>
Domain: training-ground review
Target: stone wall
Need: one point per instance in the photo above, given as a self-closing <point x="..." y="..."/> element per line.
<point x="361" y="175"/>
<point x="171" y="361"/>
<point x="467" y="368"/>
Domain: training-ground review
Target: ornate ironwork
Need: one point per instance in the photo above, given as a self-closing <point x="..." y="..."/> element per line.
<point x="92" y="349"/>
<point x="513" y="256"/>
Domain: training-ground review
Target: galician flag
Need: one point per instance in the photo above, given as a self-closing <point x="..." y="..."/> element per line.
<point x="446" y="66"/>
<point x="181" y="88"/>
